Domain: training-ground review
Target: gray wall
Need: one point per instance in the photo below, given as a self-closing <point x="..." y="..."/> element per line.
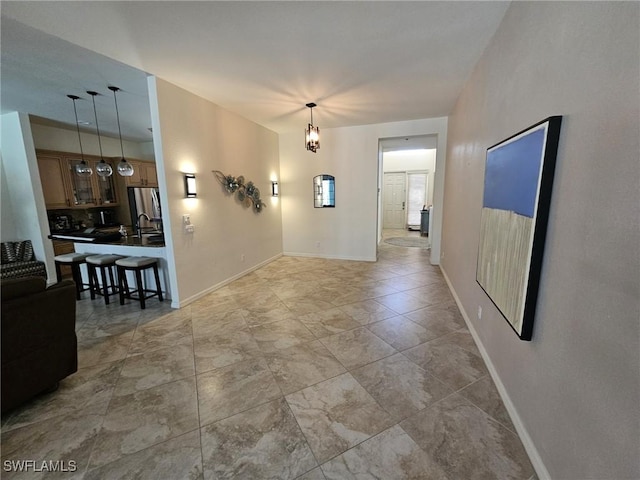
<point x="575" y="387"/>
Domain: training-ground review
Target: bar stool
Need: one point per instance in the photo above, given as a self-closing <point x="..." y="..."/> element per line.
<point x="73" y="260"/>
<point x="106" y="263"/>
<point x="137" y="265"/>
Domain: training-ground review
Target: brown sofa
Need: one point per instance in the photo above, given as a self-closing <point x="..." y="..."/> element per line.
<point x="39" y="344"/>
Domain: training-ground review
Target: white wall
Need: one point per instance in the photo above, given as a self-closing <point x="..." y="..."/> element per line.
<point x="348" y="231"/>
<point x="574" y="388"/>
<point x="63" y="140"/>
<point x="193" y="135"/>
<point x="25" y="206"/>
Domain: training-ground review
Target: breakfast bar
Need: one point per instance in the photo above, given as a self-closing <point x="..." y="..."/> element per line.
<point x="132" y="246"/>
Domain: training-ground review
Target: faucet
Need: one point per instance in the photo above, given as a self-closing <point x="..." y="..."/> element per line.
<point x="138" y="223"/>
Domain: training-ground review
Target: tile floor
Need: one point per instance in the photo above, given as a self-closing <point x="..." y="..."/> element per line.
<point x="306" y="368"/>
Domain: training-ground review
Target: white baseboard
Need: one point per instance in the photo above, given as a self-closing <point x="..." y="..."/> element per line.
<point x="213" y="288"/>
<point x="527" y="442"/>
<point x="328" y="257"/>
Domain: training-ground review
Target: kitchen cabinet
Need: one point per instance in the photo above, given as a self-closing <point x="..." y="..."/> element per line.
<point x="144" y="174"/>
<point x="53" y="176"/>
<point x="92" y="191"/>
<point x="62" y="188"/>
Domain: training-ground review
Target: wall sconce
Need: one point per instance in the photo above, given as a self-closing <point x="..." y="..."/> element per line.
<point x="275" y="190"/>
<point x="190" y="185"/>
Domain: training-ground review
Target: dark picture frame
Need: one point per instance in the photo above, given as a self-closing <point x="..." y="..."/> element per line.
<point x="518" y="182"/>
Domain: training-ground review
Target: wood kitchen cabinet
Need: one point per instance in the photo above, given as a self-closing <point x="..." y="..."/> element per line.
<point x="62" y="188"/>
<point x="54" y="179"/>
<point x="144" y="174"/>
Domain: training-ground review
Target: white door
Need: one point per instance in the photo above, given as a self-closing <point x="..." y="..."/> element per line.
<point x="394" y="200"/>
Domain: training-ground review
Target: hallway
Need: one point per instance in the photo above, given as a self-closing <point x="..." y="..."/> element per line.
<point x="306" y="368"/>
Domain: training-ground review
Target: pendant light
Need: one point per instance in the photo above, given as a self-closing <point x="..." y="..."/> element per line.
<point x="124" y="168"/>
<point x="312" y="134"/>
<point x="82" y="169"/>
<point x="103" y="169"/>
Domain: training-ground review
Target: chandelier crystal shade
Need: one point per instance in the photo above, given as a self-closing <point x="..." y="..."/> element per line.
<point x="124" y="168"/>
<point x="103" y="169"/>
<point x="312" y="134"/>
<point x="82" y="169"/>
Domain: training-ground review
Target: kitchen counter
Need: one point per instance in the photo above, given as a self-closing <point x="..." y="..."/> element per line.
<point x="133" y="241"/>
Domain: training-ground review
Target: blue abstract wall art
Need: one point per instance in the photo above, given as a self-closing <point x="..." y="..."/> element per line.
<point x="515" y="209"/>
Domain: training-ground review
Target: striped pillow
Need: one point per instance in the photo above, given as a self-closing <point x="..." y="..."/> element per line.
<point x="24" y="251"/>
<point x="8" y="251"/>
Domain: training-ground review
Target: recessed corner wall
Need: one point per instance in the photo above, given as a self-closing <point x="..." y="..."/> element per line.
<point x="574" y="388"/>
<point x="193" y="135"/>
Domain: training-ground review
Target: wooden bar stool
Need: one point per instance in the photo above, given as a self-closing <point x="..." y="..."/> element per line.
<point x="73" y="260"/>
<point x="137" y="265"/>
<point x="105" y="263"/>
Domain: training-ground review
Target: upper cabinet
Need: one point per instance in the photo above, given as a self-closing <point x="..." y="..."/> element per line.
<point x="54" y="178"/>
<point x="144" y="174"/>
<point x="62" y="188"/>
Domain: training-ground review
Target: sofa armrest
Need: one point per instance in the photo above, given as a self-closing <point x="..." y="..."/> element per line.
<point x="33" y="321"/>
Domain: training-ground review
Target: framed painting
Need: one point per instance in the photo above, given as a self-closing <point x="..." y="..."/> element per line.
<point x="518" y="180"/>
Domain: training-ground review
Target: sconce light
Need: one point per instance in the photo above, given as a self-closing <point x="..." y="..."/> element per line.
<point x="275" y="190"/>
<point x="312" y="134"/>
<point x="190" y="185"/>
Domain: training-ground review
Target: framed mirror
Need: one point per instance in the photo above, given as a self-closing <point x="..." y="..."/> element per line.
<point x="324" y="191"/>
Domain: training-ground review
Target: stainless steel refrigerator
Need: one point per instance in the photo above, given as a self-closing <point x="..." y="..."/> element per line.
<point x="145" y="200"/>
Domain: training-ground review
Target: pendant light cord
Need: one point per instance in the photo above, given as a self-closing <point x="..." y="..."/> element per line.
<point x="74" y="98"/>
<point x="114" y="90"/>
<point x="95" y="114"/>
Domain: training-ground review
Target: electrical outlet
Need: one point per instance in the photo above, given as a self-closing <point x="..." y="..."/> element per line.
<point x="318" y="244"/>
<point x="479" y="312"/>
<point x="186" y="219"/>
<point x="242" y="257"/>
<point x="190" y="228"/>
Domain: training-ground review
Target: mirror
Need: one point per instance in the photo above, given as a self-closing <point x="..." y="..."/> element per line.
<point x="324" y="191"/>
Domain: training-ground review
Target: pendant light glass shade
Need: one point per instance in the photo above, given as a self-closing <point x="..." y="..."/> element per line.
<point x="124" y="168"/>
<point x="103" y="169"/>
<point x="312" y="134"/>
<point x="82" y="169"/>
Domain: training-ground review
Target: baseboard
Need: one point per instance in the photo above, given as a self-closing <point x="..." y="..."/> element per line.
<point x="328" y="257"/>
<point x="527" y="442"/>
<point x="213" y="288"/>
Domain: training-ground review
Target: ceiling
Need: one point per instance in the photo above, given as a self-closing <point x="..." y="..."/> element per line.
<point x="361" y="62"/>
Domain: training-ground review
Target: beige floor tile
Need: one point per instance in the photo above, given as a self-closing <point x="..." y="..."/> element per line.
<point x="68" y="438"/>
<point x="400" y="386"/>
<point x="216" y="351"/>
<point x="159" y="366"/>
<point x="400" y="332"/>
<point x="281" y="334"/>
<point x="357" y="347"/>
<point x="234" y="389"/>
<point x="390" y="455"/>
<point x="367" y="311"/>
<point x="337" y="414"/>
<point x="484" y="395"/>
<point x="139" y="420"/>
<point x="328" y="322"/>
<point x="402" y="302"/>
<point x="468" y="443"/>
<point x="264" y="442"/>
<point x="177" y="458"/>
<point x="300" y="366"/>
<point x="448" y="362"/>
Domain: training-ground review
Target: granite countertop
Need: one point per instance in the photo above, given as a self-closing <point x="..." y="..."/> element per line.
<point x="134" y="241"/>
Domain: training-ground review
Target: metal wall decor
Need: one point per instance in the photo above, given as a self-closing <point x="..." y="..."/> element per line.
<point x="247" y="193"/>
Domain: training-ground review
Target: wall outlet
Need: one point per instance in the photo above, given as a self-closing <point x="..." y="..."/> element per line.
<point x="186" y="219"/>
<point x="189" y="228"/>
<point x="479" y="312"/>
<point x="242" y="257"/>
<point x="318" y="244"/>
